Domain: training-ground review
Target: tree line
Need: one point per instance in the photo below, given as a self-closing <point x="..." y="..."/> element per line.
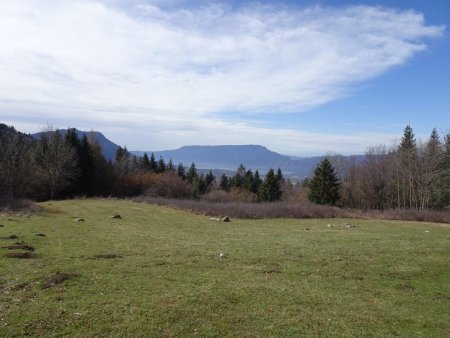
<point x="62" y="165"/>
<point x="410" y="175"/>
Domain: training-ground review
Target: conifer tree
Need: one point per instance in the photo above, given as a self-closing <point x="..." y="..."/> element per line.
<point x="224" y="183"/>
<point x="192" y="173"/>
<point x="161" y="165"/>
<point x="270" y="189"/>
<point x="169" y="167"/>
<point x="146" y="167"/>
<point x="324" y="186"/>
<point x="153" y="164"/>
<point x="181" y="172"/>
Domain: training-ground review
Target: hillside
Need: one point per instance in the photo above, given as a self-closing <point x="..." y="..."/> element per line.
<point x="109" y="147"/>
<point x="224" y="158"/>
<point x="157" y="273"/>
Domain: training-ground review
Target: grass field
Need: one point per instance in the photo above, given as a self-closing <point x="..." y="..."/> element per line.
<point x="281" y="277"/>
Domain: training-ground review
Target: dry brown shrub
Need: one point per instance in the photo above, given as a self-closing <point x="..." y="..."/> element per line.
<point x="17" y="205"/>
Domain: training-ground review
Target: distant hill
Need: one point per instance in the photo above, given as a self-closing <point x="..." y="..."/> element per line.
<point x="109" y="148"/>
<point x="229" y="157"/>
<point x="223" y="158"/>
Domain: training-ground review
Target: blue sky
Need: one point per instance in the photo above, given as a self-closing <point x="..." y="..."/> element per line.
<point x="300" y="77"/>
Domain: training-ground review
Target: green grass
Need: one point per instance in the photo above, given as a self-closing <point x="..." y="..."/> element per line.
<point x="381" y="278"/>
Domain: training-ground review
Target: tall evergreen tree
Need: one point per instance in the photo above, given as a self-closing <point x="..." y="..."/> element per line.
<point x="153" y="164"/>
<point x="324" y="186"/>
<point x="181" y="172"/>
<point x="192" y="173"/>
<point x="146" y="163"/>
<point x="170" y="167"/>
<point x="224" y="183"/>
<point x="270" y="189"/>
<point x="161" y="165"/>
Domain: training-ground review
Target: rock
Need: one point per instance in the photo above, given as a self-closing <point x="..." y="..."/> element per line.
<point x="330" y="225"/>
<point x="78" y="220"/>
<point x="348" y="225"/>
<point x="40" y="235"/>
<point x="222" y="255"/>
<point x="1" y="225"/>
<point x="116" y="216"/>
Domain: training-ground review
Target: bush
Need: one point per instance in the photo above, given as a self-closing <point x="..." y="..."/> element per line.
<point x="17" y="205"/>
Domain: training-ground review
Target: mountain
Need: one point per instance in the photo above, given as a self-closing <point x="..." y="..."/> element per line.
<point x="109" y="148"/>
<point x="229" y="157"/>
<point x="224" y="158"/>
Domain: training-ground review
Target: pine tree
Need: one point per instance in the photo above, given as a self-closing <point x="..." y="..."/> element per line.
<point x="192" y="173"/>
<point x="224" y="183"/>
<point x="169" y="167"/>
<point x="270" y="189"/>
<point x="181" y="172"/>
<point x="324" y="186"/>
<point x="153" y="164"/>
<point x="161" y="165"/>
<point x="209" y="179"/>
<point x="279" y="176"/>
<point x="146" y="167"/>
<point x="257" y="181"/>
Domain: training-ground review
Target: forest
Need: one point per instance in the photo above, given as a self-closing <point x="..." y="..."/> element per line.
<point x="409" y="175"/>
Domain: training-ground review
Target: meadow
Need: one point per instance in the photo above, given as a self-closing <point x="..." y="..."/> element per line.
<point x="70" y="269"/>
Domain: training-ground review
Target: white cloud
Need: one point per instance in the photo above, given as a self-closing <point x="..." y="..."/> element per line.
<point x="145" y="65"/>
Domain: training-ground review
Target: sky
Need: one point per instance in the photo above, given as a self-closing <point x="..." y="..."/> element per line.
<point x="302" y="78"/>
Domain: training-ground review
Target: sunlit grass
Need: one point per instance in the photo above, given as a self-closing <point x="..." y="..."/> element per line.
<point x="281" y="277"/>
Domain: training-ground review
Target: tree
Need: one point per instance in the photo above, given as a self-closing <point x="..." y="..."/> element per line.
<point x="145" y="163"/>
<point x="270" y="189"/>
<point x="16" y="165"/>
<point x="170" y="167"/>
<point x="279" y="176"/>
<point x="324" y="186"/>
<point x="181" y="172"/>
<point x="56" y="162"/>
<point x="224" y="183"/>
<point x="153" y="164"/>
<point x="192" y="173"/>
<point x="406" y="170"/>
<point x="161" y="165"/>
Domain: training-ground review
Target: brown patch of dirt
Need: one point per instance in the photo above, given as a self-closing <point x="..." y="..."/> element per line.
<point x="40" y="235"/>
<point x="274" y="270"/>
<point x="56" y="279"/>
<point x="19" y="246"/>
<point x="22" y="255"/>
<point x="10" y="237"/>
<point x="107" y="256"/>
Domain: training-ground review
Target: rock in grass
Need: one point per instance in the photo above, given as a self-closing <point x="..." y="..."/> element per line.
<point x="116" y="216"/>
<point x="40" y="235"/>
<point x="78" y="220"/>
<point x="222" y="255"/>
<point x="1" y="225"/>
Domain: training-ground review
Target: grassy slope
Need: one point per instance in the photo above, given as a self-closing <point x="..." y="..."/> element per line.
<point x="381" y="278"/>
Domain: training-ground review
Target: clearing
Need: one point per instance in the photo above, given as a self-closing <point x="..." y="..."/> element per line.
<point x="157" y="272"/>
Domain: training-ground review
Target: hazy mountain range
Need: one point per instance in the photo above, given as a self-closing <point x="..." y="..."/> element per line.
<point x="224" y="158"/>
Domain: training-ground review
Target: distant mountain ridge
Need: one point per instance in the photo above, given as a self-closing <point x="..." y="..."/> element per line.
<point x="227" y="157"/>
<point x="223" y="158"/>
